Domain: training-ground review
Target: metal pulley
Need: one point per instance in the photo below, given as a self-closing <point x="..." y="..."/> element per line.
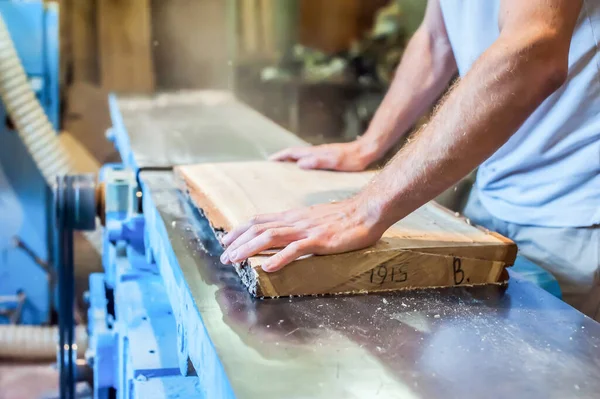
<point x="75" y="205"/>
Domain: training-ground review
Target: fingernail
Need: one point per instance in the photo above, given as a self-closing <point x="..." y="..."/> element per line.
<point x="266" y="267"/>
<point x="233" y="256"/>
<point x="224" y="258"/>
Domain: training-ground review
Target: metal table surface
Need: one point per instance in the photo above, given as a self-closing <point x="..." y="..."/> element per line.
<point x="488" y="342"/>
<point x="459" y="342"/>
<point x="190" y="127"/>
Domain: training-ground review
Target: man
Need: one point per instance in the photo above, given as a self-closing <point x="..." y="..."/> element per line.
<point x="527" y="109"/>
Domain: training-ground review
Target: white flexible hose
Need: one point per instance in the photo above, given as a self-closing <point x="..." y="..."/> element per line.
<point x="33" y="126"/>
<point x="35" y="342"/>
<point x="52" y="155"/>
<point x="53" y="158"/>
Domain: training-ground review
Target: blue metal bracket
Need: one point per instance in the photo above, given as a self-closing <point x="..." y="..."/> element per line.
<point x="194" y="345"/>
<point x="118" y="135"/>
<point x="133" y="333"/>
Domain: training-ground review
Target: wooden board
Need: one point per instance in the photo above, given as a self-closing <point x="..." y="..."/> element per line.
<point x="190" y="44"/>
<point x="430" y="248"/>
<point x="83" y="39"/>
<point x="124" y="41"/>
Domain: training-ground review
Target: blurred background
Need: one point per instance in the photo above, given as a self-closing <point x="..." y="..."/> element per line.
<point x="318" y="68"/>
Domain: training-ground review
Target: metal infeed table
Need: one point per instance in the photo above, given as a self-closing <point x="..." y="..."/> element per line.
<point x="515" y="341"/>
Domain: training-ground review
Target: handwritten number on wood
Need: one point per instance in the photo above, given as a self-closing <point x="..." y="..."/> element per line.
<point x="392" y="274"/>
<point x="459" y="274"/>
<point x="402" y="275"/>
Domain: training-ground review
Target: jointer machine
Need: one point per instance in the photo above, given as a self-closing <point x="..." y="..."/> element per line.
<point x="168" y="320"/>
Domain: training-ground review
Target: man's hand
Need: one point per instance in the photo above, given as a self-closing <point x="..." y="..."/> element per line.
<point x="344" y="157"/>
<point x="423" y="75"/>
<point x="320" y="230"/>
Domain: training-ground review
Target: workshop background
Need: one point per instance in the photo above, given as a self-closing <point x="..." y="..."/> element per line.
<point x="317" y="68"/>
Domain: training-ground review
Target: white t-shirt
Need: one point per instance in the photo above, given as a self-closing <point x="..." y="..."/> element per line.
<point x="548" y="173"/>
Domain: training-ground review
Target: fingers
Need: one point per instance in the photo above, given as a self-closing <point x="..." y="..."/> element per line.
<point x="308" y="163"/>
<point x="249" y="234"/>
<point x="316" y="162"/>
<point x="319" y="157"/>
<point x="271" y="238"/>
<point x="287" y="255"/>
<point x="241" y="229"/>
<point x="290" y="154"/>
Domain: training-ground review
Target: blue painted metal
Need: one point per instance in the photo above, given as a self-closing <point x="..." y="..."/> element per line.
<point x="118" y="135"/>
<point x="116" y="181"/>
<point x="34" y="28"/>
<point x="133" y="336"/>
<point x="102" y="343"/>
<point x="194" y="343"/>
<point x="130" y="230"/>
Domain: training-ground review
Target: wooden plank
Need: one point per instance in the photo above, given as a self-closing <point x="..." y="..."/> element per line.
<point x="124" y="39"/>
<point x="429" y="248"/>
<point x="189" y="49"/>
<point x="65" y="46"/>
<point x="331" y="25"/>
<point x="267" y="28"/>
<point x="250" y="25"/>
<point x="83" y="40"/>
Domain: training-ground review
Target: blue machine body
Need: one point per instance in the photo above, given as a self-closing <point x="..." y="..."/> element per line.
<point x="34" y="28"/>
<point x="130" y="319"/>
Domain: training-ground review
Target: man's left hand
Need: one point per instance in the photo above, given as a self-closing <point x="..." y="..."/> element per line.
<point x="320" y="230"/>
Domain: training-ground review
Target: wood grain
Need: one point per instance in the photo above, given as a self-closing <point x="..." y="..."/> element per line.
<point x="429" y="248"/>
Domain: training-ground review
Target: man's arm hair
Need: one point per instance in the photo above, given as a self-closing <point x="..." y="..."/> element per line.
<point x="526" y="64"/>
<point x="424" y="73"/>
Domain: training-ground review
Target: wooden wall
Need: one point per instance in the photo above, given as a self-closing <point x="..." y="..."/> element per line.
<point x="332" y="25"/>
<point x="144" y="45"/>
<point x="139" y="46"/>
<point x="124" y="33"/>
<point x="256" y="35"/>
<point x="266" y="27"/>
<point x="190" y="43"/>
<point x="108" y="43"/>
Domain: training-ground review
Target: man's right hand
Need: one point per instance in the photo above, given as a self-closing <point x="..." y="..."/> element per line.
<point x="343" y="157"/>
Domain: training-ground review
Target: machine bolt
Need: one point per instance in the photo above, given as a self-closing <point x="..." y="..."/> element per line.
<point x="110" y="134"/>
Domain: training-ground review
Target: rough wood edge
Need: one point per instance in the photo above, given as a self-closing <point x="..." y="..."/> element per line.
<point x="511" y="246"/>
<point x="217" y="219"/>
<point x="262" y="287"/>
<point x="214" y="216"/>
<point x="495" y="271"/>
<point x="247" y="274"/>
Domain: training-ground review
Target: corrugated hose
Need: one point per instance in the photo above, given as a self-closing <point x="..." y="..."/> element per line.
<point x="53" y="157"/>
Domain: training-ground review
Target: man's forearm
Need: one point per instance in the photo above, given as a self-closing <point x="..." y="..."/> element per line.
<point x="527" y="63"/>
<point x="424" y="73"/>
<point x="479" y="115"/>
